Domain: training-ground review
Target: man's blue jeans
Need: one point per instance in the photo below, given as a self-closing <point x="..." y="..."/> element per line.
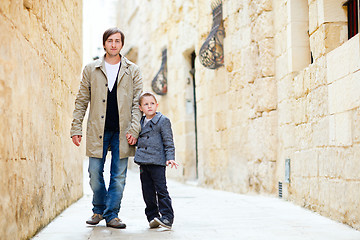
<point x="107" y="201"/>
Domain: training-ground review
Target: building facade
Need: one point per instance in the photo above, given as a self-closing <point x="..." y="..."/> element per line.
<point x="40" y="66"/>
<point x="281" y="116"/>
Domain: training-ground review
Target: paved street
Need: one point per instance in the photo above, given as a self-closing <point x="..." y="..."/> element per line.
<point x="199" y="214"/>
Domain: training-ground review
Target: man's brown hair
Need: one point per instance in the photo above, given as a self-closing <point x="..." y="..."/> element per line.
<point x="112" y="31"/>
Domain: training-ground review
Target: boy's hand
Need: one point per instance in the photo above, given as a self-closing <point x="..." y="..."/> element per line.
<point x="76" y="139"/>
<point x="172" y="163"/>
<point x="131" y="140"/>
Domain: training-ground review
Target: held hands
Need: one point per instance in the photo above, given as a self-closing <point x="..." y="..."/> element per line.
<point x="76" y="139"/>
<point x="131" y="140"/>
<point x="172" y="163"/>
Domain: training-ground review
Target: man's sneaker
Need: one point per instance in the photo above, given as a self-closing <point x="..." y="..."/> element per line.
<point x="116" y="223"/>
<point x="153" y="224"/>
<point x="95" y="219"/>
<point x="164" y="222"/>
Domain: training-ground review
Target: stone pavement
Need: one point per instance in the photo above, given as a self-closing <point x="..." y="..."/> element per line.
<point x="199" y="214"/>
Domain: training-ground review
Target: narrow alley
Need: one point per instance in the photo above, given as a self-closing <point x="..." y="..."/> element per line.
<point x="199" y="214"/>
<point x="263" y="96"/>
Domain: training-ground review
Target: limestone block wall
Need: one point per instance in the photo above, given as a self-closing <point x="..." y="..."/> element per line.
<point x="147" y="33"/>
<point x="252" y="122"/>
<point x="40" y="66"/>
<point x="288" y="90"/>
<point x="236" y="104"/>
<point x="318" y="104"/>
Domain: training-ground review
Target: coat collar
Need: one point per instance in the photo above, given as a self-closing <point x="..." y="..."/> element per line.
<point x="101" y="61"/>
<point x="156" y="118"/>
<point x="125" y="63"/>
<point x="153" y="121"/>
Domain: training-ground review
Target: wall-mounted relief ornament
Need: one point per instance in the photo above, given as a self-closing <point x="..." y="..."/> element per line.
<point x="159" y="83"/>
<point x="211" y="52"/>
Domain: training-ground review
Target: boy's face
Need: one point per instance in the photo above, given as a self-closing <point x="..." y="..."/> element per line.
<point x="148" y="106"/>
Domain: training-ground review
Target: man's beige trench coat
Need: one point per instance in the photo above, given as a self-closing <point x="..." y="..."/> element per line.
<point x="93" y="89"/>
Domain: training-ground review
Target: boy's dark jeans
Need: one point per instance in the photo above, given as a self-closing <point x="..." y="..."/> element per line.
<point x="155" y="194"/>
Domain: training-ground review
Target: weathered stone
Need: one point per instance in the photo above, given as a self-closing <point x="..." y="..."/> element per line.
<point x="356" y="126"/>
<point x="335" y="35"/>
<point x="321" y="132"/>
<point x="313" y="16"/>
<point x="266" y="54"/>
<point x="343" y="94"/>
<point x="39" y="74"/>
<point x="262" y="26"/>
<point x="286" y="111"/>
<point x="287" y="90"/>
<point x="317" y="42"/>
<point x="349" y="54"/>
<point x="317" y="105"/>
<point x="331" y="11"/>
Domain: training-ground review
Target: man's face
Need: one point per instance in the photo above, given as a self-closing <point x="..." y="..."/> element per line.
<point x="113" y="44"/>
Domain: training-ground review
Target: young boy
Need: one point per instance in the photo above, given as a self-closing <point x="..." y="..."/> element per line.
<point x="155" y="151"/>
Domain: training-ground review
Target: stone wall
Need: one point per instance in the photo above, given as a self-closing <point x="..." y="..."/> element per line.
<point x="288" y="90"/>
<point x="318" y="108"/>
<point x="40" y="66"/>
<point x="236" y="104"/>
<point x="165" y="27"/>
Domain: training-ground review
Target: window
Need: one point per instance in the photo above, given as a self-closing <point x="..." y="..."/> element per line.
<point x="353" y="21"/>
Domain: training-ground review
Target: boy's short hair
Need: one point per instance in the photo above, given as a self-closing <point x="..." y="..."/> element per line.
<point x="146" y="94"/>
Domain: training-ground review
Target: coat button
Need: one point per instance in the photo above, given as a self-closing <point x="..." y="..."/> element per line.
<point x="100" y="137"/>
<point x="103" y="100"/>
<point x="102" y="116"/>
<point x="106" y="85"/>
<point x="147" y="137"/>
<point x="145" y="148"/>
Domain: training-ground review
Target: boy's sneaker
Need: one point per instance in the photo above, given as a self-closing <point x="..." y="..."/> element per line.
<point x="154" y="224"/>
<point x="95" y="219"/>
<point x="164" y="222"/>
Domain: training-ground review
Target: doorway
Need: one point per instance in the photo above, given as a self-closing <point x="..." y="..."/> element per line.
<point x="193" y="85"/>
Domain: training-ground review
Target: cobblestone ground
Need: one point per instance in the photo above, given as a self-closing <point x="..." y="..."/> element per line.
<point x="199" y="214"/>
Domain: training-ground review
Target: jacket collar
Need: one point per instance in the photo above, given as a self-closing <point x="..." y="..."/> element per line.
<point x="156" y="118"/>
<point x="101" y="62"/>
<point x="153" y="121"/>
<point x="123" y="68"/>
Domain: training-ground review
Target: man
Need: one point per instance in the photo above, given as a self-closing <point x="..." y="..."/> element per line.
<point x="112" y="85"/>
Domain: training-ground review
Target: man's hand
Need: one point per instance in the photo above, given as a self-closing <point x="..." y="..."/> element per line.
<point x="131" y="140"/>
<point x="76" y="139"/>
<point x="172" y="163"/>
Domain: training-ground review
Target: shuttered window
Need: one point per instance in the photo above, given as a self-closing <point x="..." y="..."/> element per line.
<point x="353" y="20"/>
